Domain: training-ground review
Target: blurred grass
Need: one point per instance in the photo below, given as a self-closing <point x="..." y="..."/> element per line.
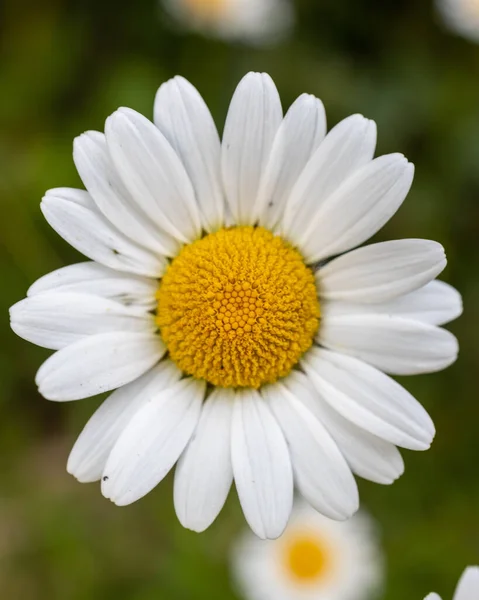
<point x="66" y="65"/>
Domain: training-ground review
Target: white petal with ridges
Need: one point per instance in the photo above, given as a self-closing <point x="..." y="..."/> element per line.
<point x="320" y="470"/>
<point x="97" y="280"/>
<point x="436" y="303"/>
<point x="261" y="466"/>
<point x="379" y="272"/>
<point x="369" y="399"/>
<point x="396" y="345"/>
<point x="204" y="473"/>
<point x="98" y="363"/>
<point x="153" y="173"/>
<point x="54" y="320"/>
<point x="368" y="456"/>
<point x="253" y="119"/>
<point x="358" y="208"/>
<point x="184" y="119"/>
<point x="152" y="442"/>
<point x="88" y="457"/>
<point x="95" y="167"/>
<point x="348" y="146"/>
<point x="75" y="217"/>
<point x="300" y="133"/>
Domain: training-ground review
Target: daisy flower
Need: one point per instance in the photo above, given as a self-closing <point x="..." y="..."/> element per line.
<point x="226" y="305"/>
<point x="253" y="21"/>
<point x="461" y="16"/>
<point x="315" y="558"/>
<point x="467" y="588"/>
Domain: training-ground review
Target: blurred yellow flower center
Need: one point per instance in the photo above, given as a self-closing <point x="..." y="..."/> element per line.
<point x="206" y="8"/>
<point x="238" y="308"/>
<point x="306" y="558"/>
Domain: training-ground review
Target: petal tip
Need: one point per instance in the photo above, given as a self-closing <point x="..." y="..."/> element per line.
<point x="371" y="127"/>
<point x="196" y="527"/>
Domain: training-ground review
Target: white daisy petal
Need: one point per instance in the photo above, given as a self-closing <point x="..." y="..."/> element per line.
<point x="358" y="208"/>
<point x="468" y="586"/>
<point x="153" y="173"/>
<point x="98" y="363"/>
<point x="204" y="473"/>
<point x="261" y="466"/>
<point x="88" y="457"/>
<point x="396" y="345"/>
<point x="347" y="147"/>
<point x="432" y="596"/>
<point x="54" y="320"/>
<point x="368" y="456"/>
<point x="74" y="216"/>
<point x="184" y="119"/>
<point x="381" y="271"/>
<point x="95" y="167"/>
<point x="254" y="117"/>
<point x="97" y="280"/>
<point x="369" y="399"/>
<point x="298" y="136"/>
<point x="321" y="472"/>
<point x="152" y="442"/>
<point x="436" y="303"/>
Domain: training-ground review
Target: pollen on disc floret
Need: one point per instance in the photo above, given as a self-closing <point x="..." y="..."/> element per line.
<point x="238" y="308"/>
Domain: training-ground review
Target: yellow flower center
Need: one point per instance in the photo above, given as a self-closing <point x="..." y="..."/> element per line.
<point x="238" y="308"/>
<point x="306" y="558"/>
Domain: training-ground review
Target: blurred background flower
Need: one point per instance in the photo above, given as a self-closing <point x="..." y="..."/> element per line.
<point x="315" y="558"/>
<point x="461" y="16"/>
<point x="250" y="21"/>
<point x="65" y="65"/>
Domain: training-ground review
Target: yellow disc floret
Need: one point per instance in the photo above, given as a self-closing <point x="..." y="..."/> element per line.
<point x="307" y="558"/>
<point x="238" y="308"/>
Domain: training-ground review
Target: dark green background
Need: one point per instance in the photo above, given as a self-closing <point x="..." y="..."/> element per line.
<point x="64" y="66"/>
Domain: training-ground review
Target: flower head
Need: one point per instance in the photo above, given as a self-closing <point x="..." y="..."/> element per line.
<point x="315" y="558"/>
<point x="467" y="588"/>
<point x="226" y="305"/>
<point x="251" y="21"/>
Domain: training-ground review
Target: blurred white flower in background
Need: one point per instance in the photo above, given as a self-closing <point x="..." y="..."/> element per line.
<point x="252" y="21"/>
<point x="462" y="17"/>
<point x="315" y="559"/>
<point x="467" y="588"/>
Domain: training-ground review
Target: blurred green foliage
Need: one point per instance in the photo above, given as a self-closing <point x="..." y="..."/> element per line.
<point x="64" y="66"/>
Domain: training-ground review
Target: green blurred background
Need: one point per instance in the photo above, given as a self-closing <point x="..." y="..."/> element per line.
<point x="64" y="66"/>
